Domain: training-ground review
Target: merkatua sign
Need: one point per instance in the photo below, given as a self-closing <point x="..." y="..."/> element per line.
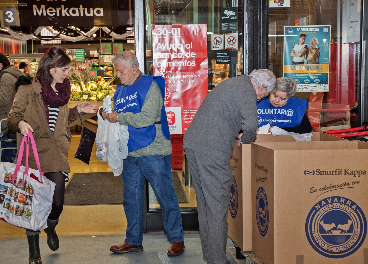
<point x="68" y="12"/>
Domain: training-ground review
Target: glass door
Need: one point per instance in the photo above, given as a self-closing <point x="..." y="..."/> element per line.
<point x="182" y="19"/>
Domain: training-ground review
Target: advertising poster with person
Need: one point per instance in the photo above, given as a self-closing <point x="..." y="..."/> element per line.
<point x="180" y="55"/>
<point x="307" y="57"/>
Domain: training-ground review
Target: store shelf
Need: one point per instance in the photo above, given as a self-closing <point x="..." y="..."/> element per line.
<point x="30" y="57"/>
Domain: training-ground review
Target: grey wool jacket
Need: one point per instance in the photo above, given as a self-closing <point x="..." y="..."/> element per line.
<point x="229" y="108"/>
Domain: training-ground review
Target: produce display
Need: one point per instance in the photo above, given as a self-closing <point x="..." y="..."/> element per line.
<point x="85" y="88"/>
<point x="109" y="70"/>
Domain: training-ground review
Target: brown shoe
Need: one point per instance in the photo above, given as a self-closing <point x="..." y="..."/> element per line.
<point x="176" y="249"/>
<point x="125" y="248"/>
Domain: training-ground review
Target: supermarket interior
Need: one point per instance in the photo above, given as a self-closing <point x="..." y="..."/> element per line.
<point x="295" y="198"/>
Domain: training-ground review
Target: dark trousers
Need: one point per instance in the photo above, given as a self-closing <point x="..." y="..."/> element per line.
<point x="58" y="201"/>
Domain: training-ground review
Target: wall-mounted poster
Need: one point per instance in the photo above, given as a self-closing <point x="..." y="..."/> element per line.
<point x="279" y="3"/>
<point x="70" y="53"/>
<point x="79" y="55"/>
<point x="180" y="55"/>
<point x="106" y="48"/>
<point x="307" y="57"/>
<point x="118" y="47"/>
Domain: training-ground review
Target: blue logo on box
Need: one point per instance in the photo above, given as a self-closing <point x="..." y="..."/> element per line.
<point x="307" y="172"/>
<point x="262" y="213"/>
<point x="233" y="206"/>
<point x="336" y="227"/>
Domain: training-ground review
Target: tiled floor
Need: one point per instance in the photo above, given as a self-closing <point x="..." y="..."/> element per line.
<point x="95" y="250"/>
<point x="87" y="232"/>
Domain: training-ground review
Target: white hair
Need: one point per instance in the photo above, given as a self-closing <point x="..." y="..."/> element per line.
<point x="286" y="85"/>
<point x="264" y="77"/>
<point x="128" y="57"/>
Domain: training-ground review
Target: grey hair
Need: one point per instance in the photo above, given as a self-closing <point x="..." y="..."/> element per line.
<point x="264" y="77"/>
<point x="128" y="57"/>
<point x="286" y="85"/>
<point x="315" y="40"/>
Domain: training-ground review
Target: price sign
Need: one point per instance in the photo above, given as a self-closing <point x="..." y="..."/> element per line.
<point x="9" y="16"/>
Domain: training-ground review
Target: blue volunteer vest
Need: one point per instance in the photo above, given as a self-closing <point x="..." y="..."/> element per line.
<point x="289" y="115"/>
<point x="130" y="99"/>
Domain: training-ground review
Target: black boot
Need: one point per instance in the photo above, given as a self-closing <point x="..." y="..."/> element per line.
<point x="52" y="238"/>
<point x="34" y="250"/>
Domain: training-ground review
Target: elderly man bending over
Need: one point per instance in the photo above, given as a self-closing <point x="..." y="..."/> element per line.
<point x="209" y="143"/>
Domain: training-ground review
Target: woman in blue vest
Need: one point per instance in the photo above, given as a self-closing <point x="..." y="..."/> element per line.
<point x="283" y="111"/>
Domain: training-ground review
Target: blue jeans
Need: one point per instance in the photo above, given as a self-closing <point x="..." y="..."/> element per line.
<point x="157" y="170"/>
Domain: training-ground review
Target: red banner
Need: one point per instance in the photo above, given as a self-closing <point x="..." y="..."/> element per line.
<point x="180" y="56"/>
<point x="315" y="103"/>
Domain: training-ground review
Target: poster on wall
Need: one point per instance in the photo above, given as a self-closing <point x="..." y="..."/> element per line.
<point x="180" y="55"/>
<point x="118" y="47"/>
<point x="307" y="57"/>
<point x="79" y="55"/>
<point x="70" y="53"/>
<point x="76" y="55"/>
<point x="279" y="3"/>
<point x="105" y="48"/>
<point x="229" y="19"/>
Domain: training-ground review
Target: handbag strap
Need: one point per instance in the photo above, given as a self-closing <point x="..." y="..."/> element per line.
<point x="25" y="141"/>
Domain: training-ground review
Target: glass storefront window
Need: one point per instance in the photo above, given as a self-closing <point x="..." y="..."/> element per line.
<point x="165" y="12"/>
<point x="222" y="61"/>
<point x="338" y="61"/>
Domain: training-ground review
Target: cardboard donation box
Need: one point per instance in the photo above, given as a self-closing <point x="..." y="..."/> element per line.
<point x="310" y="202"/>
<point x="240" y="207"/>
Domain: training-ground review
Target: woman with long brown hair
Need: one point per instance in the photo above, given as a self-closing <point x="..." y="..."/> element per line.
<point x="42" y="108"/>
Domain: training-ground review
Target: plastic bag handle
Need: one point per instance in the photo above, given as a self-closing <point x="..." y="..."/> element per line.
<point x="35" y="153"/>
<point x="26" y="140"/>
<point x="19" y="161"/>
<point x="98" y="112"/>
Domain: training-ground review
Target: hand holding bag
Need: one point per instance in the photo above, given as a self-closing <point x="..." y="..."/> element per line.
<point x="25" y="195"/>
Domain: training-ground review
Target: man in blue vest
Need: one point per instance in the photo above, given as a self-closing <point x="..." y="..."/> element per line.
<point x="139" y="104"/>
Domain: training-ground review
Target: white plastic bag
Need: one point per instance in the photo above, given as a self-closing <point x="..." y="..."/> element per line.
<point x="101" y="138"/>
<point x="102" y="130"/>
<point x="117" y="149"/>
<point x="107" y="104"/>
<point x="111" y="141"/>
<point x="276" y="131"/>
